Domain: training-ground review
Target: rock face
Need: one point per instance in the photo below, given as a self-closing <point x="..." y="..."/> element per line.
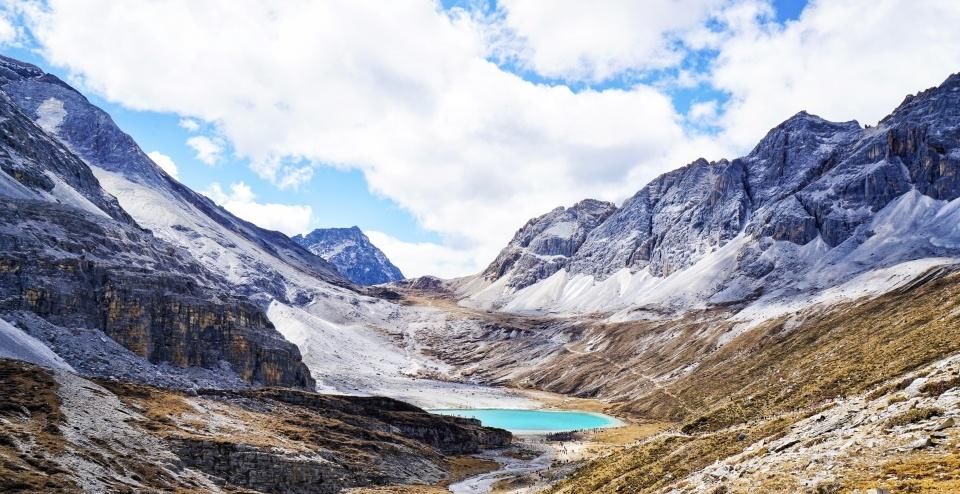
<point x="259" y="262"/>
<point x="63" y="433"/>
<point x="545" y="244"/>
<point x="352" y="253"/>
<point x="71" y="255"/>
<point x="810" y="183"/>
<point x="381" y="419"/>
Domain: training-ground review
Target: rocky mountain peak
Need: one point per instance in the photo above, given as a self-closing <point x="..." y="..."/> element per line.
<point x="354" y="256"/>
<point x="810" y="190"/>
<point x="544" y="244"/>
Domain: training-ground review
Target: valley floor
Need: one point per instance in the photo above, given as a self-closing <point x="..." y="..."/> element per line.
<point x="831" y="398"/>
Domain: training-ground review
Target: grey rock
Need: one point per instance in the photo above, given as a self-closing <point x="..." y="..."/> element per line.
<point x="808" y="178"/>
<point x="354" y="256"/>
<point x="92" y="135"/>
<point x="545" y="244"/>
<point x="70" y="255"/>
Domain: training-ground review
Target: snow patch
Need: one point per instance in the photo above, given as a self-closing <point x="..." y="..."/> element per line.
<point x="65" y="194"/>
<point x="15" y="344"/>
<point x="50" y="115"/>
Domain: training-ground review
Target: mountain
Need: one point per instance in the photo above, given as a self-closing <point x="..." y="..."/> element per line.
<point x="352" y="253"/>
<point x="545" y="244"/>
<point x="259" y="262"/>
<point x="76" y="266"/>
<point x="813" y="206"/>
<point x="153" y="362"/>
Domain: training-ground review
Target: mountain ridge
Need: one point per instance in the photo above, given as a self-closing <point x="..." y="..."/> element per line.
<point x="806" y="179"/>
<point x="352" y="253"/>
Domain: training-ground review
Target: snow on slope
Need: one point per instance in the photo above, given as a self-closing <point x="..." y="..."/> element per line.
<point x="224" y="251"/>
<point x="15" y="344"/>
<point x="814" y="205"/>
<point x="65" y="194"/>
<point x="374" y="350"/>
<point x="912" y="226"/>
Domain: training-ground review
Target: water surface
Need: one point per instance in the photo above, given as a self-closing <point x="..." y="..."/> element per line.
<point x="534" y="421"/>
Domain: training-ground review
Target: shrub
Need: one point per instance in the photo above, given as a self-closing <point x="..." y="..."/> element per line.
<point x="913" y="415"/>
<point x="937" y="388"/>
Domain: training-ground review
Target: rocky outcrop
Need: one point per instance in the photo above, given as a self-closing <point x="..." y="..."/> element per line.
<point x="406" y="440"/>
<point x="352" y="253"/>
<point x="263" y="470"/>
<point x="63" y="433"/>
<point x="544" y="245"/>
<point x="448" y="434"/>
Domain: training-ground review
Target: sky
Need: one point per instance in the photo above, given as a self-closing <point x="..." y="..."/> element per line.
<point x="440" y="128"/>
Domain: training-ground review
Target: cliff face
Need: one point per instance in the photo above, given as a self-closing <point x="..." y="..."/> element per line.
<point x="64" y="433"/>
<point x="71" y="255"/>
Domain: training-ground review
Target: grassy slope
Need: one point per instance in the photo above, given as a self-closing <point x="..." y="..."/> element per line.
<point x="777" y="373"/>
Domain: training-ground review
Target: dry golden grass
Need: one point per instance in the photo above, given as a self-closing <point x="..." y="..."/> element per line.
<point x="629" y="433"/>
<point x="936" y="472"/>
<point x="30" y="408"/>
<point x="771" y="376"/>
<point x="913" y="415"/>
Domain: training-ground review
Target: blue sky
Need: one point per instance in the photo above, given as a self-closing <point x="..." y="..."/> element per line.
<point x="451" y="124"/>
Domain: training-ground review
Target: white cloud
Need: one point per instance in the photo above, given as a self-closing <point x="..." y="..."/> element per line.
<point x="841" y="60"/>
<point x="703" y="112"/>
<point x="593" y="41"/>
<point x="241" y="201"/>
<point x="189" y="124"/>
<point x="405" y="93"/>
<point x="10" y="33"/>
<point x="208" y="150"/>
<point x="165" y="163"/>
<point x="427" y="258"/>
<point x="399" y="90"/>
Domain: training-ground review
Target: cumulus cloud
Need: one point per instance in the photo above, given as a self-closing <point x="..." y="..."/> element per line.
<point x="209" y="150"/>
<point x="426" y="258"/>
<point x="407" y="93"/>
<point x="165" y="163"/>
<point x="189" y="124"/>
<point x="840" y="60"/>
<point x="594" y="41"/>
<point x="241" y="201"/>
<point x="703" y="112"/>
<point x="401" y="90"/>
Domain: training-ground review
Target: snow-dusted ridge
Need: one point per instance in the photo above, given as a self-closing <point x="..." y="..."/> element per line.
<point x="816" y="206"/>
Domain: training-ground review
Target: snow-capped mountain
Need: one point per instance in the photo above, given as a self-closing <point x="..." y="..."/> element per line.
<point x="354" y="256"/>
<point x="260" y="262"/>
<point x="814" y="205"/>
<point x="335" y="326"/>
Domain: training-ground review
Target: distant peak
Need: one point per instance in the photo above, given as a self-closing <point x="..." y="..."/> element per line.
<point x="351" y="251"/>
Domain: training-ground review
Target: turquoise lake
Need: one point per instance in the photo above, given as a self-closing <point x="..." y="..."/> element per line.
<point x="531" y="421"/>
